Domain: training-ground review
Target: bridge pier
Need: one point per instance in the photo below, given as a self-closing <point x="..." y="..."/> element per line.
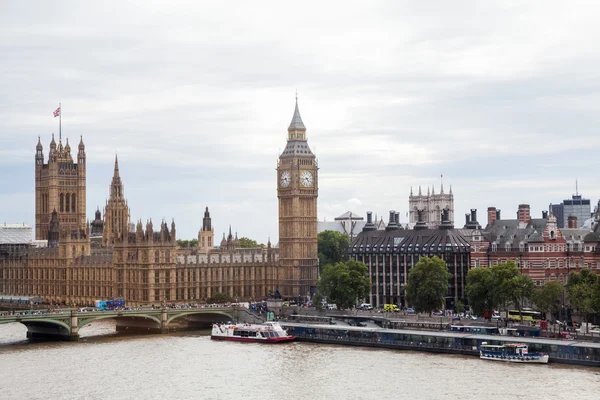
<point x="164" y="327"/>
<point x="45" y="331"/>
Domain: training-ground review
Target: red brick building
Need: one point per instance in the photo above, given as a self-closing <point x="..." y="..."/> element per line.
<point x="540" y="249"/>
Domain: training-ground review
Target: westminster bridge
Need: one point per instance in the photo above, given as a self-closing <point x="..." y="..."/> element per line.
<point x="65" y="324"/>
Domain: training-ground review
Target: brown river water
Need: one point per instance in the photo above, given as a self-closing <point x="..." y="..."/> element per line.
<point x="188" y="365"/>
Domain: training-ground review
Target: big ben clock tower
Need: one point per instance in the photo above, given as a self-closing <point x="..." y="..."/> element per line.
<point x="297" y="190"/>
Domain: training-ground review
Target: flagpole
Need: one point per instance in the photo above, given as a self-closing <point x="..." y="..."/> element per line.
<point x="59" y="121"/>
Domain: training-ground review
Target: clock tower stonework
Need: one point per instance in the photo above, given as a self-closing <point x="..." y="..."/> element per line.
<point x="297" y="191"/>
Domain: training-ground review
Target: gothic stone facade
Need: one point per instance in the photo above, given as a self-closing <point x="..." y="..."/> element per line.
<point x="430" y="206"/>
<point x="145" y="266"/>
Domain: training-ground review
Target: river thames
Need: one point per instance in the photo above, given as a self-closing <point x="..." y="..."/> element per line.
<point x="188" y="365"/>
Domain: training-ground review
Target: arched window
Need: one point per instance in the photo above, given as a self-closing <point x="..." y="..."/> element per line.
<point x="67" y="202"/>
<point x="156" y="256"/>
<point x="73" y="208"/>
<point x="167" y="256"/>
<point x="552" y="235"/>
<point x="62" y="199"/>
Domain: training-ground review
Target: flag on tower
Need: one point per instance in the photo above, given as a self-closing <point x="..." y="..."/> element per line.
<point x="57" y="112"/>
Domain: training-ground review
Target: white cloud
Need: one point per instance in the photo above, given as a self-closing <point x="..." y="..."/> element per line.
<point x="196" y="99"/>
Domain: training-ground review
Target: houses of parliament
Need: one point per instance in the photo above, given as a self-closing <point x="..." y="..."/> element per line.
<point x="113" y="257"/>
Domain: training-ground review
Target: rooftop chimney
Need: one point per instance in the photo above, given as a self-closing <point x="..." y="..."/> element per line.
<point x="492" y="215"/>
<point x="498" y="214"/>
<point x="472" y="219"/>
<point x="392" y="225"/>
<point x="446" y="223"/>
<point x="572" y="221"/>
<point x="473" y="215"/>
<point x="420" y="221"/>
<point x="544" y="214"/>
<point x="369" y="226"/>
<point x="524" y="213"/>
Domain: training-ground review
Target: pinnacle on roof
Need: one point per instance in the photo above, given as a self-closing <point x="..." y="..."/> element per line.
<point x="39" y="144"/>
<point x="52" y="143"/>
<point x="81" y="145"/>
<point x="296" y="124"/>
<point x="116" y="174"/>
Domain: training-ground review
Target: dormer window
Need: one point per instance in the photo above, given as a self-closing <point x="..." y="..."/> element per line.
<point x="552" y="235"/>
<point x="494" y="247"/>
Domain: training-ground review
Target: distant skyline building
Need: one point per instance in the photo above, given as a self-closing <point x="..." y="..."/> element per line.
<point x="576" y="206"/>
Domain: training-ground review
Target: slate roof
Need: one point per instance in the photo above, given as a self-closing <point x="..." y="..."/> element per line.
<point x="15" y="234"/>
<point x="511" y="231"/>
<point x="424" y="241"/>
<point x="579" y="235"/>
<point x="297" y="123"/>
<point x="297" y="148"/>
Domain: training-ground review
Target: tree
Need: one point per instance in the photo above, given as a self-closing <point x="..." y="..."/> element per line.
<point x="332" y="247"/>
<point x="219" y="298"/>
<point x="460" y="306"/>
<point x="428" y="284"/>
<point x="247" y="243"/>
<point x="344" y="282"/>
<point x="489" y="288"/>
<point x="583" y="289"/>
<point x="548" y="297"/>
<point x="518" y="289"/>
<point x="187" y="243"/>
<point x="480" y="290"/>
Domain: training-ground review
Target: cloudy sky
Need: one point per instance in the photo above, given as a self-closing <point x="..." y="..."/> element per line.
<point x="502" y="99"/>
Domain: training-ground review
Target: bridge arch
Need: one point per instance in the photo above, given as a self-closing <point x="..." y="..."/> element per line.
<point x="198" y="312"/>
<point x="85" y="320"/>
<point x="31" y="321"/>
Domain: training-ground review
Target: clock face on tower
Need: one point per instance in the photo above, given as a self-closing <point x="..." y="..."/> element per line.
<point x="285" y="179"/>
<point x="306" y="179"/>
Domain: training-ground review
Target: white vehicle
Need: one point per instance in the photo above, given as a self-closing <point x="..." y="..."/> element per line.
<point x="366" y="306"/>
<point x="331" y="307"/>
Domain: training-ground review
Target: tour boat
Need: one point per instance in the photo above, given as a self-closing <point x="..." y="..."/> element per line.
<point x="511" y="352"/>
<point x="269" y="332"/>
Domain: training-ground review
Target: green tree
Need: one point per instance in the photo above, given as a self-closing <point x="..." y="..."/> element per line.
<point x="247" y="243"/>
<point x="518" y="289"/>
<point x="548" y="297"/>
<point x="480" y="290"/>
<point x="187" y="243"/>
<point x="583" y="289"/>
<point x="428" y="284"/>
<point x="332" y="247"/>
<point x="344" y="282"/>
<point x="460" y="306"/>
<point x="500" y="285"/>
<point x="219" y="298"/>
<point x="317" y="301"/>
